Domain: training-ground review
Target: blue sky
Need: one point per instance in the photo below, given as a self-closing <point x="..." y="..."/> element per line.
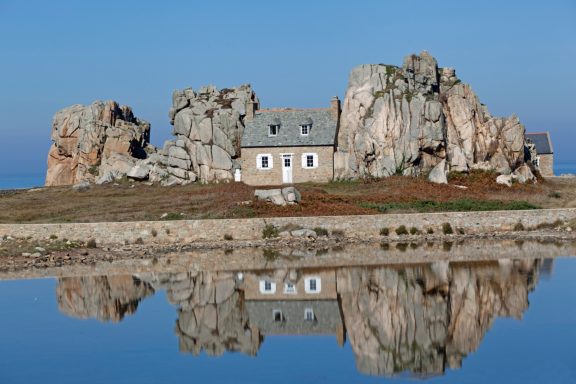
<point x="518" y="56"/>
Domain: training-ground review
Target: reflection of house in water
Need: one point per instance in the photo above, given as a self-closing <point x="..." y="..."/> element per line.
<point x="294" y="303"/>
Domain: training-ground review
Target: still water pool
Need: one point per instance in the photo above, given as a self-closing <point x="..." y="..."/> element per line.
<point x="511" y="321"/>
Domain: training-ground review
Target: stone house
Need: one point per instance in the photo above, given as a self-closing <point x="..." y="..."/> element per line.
<point x="544" y="150"/>
<point x="286" y="146"/>
<point x="293" y="302"/>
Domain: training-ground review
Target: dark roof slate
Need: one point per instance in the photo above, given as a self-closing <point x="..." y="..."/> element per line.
<point x="542" y="142"/>
<point x="323" y="131"/>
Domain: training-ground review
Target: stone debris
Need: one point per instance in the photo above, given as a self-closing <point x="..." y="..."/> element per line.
<point x="287" y="195"/>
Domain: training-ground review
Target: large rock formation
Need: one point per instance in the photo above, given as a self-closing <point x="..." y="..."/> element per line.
<point x="408" y="120"/>
<point x="106" y="298"/>
<point x="211" y="313"/>
<point x="422" y="319"/>
<point x="208" y="125"/>
<point x="95" y="141"/>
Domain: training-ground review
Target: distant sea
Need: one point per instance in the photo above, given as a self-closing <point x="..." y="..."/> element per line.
<point x="22" y="181"/>
<point x="37" y="179"/>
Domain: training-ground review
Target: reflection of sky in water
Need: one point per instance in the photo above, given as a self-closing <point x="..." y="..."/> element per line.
<point x="41" y="344"/>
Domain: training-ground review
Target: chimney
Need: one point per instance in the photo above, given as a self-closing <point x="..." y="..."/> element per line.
<point x="251" y="106"/>
<point x="335" y="108"/>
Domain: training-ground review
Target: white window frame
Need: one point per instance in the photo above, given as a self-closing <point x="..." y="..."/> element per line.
<point x="309" y="311"/>
<point x="277" y="312"/>
<point x="265" y="291"/>
<point x="290" y="291"/>
<point x="307" y="287"/>
<point x="259" y="161"/>
<point x="305" y="160"/>
<point x="308" y="127"/>
<point x="277" y="128"/>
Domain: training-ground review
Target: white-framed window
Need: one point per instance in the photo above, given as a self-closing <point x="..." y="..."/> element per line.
<point x="264" y="161"/>
<point x="289" y="288"/>
<point x="305" y="129"/>
<point x="277" y="315"/>
<point x="312" y="284"/>
<point x="273" y="129"/>
<point x="267" y="287"/>
<point x="309" y="160"/>
<point x="309" y="314"/>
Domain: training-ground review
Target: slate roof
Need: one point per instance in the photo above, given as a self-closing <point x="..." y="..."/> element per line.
<point x="542" y="142"/>
<point x="323" y="130"/>
<point x="327" y="314"/>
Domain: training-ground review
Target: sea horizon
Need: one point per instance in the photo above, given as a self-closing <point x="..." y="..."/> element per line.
<point x="33" y="180"/>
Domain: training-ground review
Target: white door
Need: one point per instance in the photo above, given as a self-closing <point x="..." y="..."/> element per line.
<point x="287" y="169"/>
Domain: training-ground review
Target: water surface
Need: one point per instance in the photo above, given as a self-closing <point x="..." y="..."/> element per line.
<point x="485" y="321"/>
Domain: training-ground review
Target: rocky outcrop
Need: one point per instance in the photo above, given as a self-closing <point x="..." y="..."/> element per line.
<point x="106" y="298"/>
<point x="407" y="120"/>
<point x="422" y="319"/>
<point x="208" y="125"/>
<point x="211" y="313"/>
<point x="102" y="140"/>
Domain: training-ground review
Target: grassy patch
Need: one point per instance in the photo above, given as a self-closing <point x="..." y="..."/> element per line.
<point x="269" y="231"/>
<point x="461" y="205"/>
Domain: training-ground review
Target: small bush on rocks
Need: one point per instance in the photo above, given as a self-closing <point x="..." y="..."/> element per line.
<point x="154" y="233"/>
<point x="228" y="237"/>
<point x="519" y="226"/>
<point x="320" y="231"/>
<point x="430" y="231"/>
<point x="269" y="232"/>
<point x="338" y="233"/>
<point x="91" y="243"/>
<point x="384" y="232"/>
<point x="139" y="241"/>
<point x="414" y="231"/>
<point x="401" y="230"/>
<point x="447" y="229"/>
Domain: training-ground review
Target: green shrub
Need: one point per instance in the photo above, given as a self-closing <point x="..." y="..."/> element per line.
<point x="447" y="229"/>
<point x="139" y="241"/>
<point x="414" y="231"/>
<point x="320" y="231"/>
<point x="270" y="254"/>
<point x="53" y="237"/>
<point x="154" y="233"/>
<point x="447" y="246"/>
<point x="269" y="231"/>
<point x="384" y="232"/>
<point x="228" y="237"/>
<point x="430" y="231"/>
<point x="402" y="247"/>
<point x="401" y="230"/>
<point x="519" y="226"/>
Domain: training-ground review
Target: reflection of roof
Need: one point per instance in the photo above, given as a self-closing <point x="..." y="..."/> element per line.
<point x="542" y="142"/>
<point x="326" y="312"/>
<point x="323" y="131"/>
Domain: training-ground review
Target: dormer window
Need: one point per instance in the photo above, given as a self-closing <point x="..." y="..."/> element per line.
<point x="273" y="129"/>
<point x="305" y="129"/>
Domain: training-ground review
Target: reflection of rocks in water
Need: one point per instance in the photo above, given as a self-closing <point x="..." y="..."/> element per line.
<point x="106" y="298"/>
<point x="420" y="319"/>
<point x="211" y="315"/>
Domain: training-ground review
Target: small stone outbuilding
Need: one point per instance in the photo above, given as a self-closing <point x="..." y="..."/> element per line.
<point x="545" y="152"/>
<point x="286" y="146"/>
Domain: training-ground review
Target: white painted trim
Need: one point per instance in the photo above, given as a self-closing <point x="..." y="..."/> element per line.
<point x="311" y="311"/>
<point x="263" y="287"/>
<point x="307" y="284"/>
<point x="259" y="161"/>
<point x="288" y="292"/>
<point x="305" y="160"/>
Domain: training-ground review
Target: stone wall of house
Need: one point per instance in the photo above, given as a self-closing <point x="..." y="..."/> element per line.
<point x="546" y="165"/>
<point x="251" y="175"/>
<point x="297" y="277"/>
<point x="365" y="226"/>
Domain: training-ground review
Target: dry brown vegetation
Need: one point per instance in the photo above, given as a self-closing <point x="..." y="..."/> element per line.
<point x="129" y="202"/>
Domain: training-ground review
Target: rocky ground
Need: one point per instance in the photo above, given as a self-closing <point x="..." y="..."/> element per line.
<point x="131" y="201"/>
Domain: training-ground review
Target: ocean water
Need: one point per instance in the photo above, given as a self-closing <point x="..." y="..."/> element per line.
<point x="22" y="181"/>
